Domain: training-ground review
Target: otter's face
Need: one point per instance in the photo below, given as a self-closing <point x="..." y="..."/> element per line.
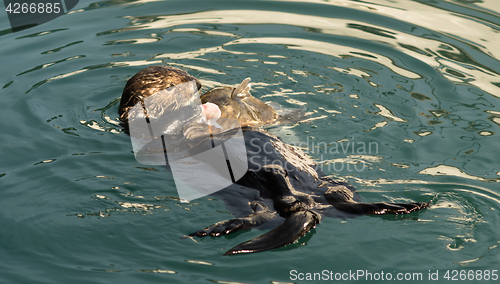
<point x="238" y="104"/>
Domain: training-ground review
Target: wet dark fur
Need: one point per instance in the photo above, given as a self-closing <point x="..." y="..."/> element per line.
<point x="284" y="185"/>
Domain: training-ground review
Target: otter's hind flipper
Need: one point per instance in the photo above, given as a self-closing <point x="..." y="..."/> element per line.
<point x="380" y="208"/>
<point x="341" y="198"/>
<point x="242" y="88"/>
<point x="294" y="227"/>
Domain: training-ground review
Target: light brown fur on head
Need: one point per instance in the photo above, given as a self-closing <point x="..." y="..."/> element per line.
<point x="151" y="80"/>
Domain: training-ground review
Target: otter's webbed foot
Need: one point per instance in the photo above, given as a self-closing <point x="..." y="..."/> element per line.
<point x="342" y="199"/>
<point x="380" y="208"/>
<point x="261" y="215"/>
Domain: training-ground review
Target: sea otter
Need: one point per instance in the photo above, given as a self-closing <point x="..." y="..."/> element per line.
<point x="282" y="186"/>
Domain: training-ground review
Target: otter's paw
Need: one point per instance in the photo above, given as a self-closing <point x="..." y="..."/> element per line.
<point x="222" y="228"/>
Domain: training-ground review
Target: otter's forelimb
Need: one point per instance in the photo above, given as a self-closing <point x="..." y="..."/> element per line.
<point x="260" y="216"/>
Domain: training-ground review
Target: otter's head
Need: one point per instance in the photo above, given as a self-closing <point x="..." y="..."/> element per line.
<point x="152" y="80"/>
<point x="238" y="104"/>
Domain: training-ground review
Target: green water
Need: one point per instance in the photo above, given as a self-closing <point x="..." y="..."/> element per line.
<point x="419" y="78"/>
